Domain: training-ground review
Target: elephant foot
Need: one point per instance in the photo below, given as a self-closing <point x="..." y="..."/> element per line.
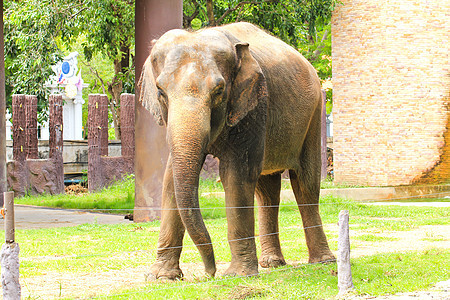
<point x="242" y="269"/>
<point x="322" y="257"/>
<point x="164" y="270"/>
<point x="271" y="261"/>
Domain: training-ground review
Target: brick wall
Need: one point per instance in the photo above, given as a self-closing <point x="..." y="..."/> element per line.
<point x="390" y="91"/>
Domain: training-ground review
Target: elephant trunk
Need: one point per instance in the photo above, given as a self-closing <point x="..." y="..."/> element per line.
<point x="188" y="137"/>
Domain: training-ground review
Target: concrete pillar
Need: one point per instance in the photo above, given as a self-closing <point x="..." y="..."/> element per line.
<point x="78" y="115"/>
<point x="153" y="18"/>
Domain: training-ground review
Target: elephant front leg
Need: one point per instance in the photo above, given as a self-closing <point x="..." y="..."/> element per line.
<point x="171" y="234"/>
<point x="268" y="196"/>
<point x="239" y="195"/>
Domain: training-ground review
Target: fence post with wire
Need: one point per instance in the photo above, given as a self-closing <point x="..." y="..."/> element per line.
<point x="10" y="252"/>
<point x="345" y="282"/>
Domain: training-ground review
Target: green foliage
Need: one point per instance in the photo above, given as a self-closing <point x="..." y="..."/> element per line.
<point x="305" y="24"/>
<point x="33" y="31"/>
<point x="108" y="26"/>
<point x="39" y="32"/>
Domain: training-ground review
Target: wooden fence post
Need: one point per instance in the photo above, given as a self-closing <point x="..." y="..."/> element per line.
<point x="345" y="282"/>
<point x="55" y="123"/>
<point x="19" y="125"/>
<point x="56" y="140"/>
<point x="10" y="253"/>
<point x="31" y="127"/>
<point x="97" y="139"/>
<point x="127" y="124"/>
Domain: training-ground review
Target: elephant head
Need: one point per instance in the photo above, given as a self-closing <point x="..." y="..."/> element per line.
<point x="197" y="84"/>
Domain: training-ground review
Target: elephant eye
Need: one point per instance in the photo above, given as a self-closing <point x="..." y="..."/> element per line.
<point x="161" y="93"/>
<point x="218" y="91"/>
<point x="216" y="95"/>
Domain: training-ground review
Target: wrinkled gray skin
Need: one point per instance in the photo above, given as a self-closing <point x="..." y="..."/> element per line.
<point x="255" y="103"/>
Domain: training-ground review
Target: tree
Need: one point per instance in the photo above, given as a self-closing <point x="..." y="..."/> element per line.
<point x="303" y="24"/>
<point x="33" y="30"/>
<point x="37" y="30"/>
<point x="109" y="29"/>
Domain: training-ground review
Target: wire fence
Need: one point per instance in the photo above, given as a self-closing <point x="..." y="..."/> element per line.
<point x="218" y="244"/>
<point x="214" y="280"/>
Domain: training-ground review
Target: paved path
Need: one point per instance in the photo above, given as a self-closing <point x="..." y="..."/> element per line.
<point x="432" y="204"/>
<point x="30" y="217"/>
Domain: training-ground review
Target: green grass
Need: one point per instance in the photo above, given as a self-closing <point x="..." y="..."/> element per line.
<point x="119" y="198"/>
<point x="375" y="275"/>
<point x="374" y="238"/>
<point x="94" y="248"/>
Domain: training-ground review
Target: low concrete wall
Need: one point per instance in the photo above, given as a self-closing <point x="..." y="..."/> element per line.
<point x="377" y="193"/>
<point x="75" y="153"/>
<point x="387" y="193"/>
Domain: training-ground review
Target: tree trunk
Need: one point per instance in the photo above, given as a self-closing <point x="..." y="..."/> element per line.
<point x="115" y="88"/>
<point x="210" y="12"/>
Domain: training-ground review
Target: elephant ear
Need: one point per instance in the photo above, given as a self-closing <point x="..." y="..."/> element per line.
<point x="149" y="93"/>
<point x="249" y="85"/>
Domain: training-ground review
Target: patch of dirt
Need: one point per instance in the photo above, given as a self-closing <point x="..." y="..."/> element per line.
<point x="245" y="292"/>
<point x="79" y="286"/>
<point x="441" y="291"/>
<point x="75" y="189"/>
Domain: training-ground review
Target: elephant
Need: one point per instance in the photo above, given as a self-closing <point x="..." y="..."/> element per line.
<point x="253" y="101"/>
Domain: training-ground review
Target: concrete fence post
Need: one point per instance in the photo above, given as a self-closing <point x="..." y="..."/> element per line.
<point x="10" y="253"/>
<point x="55" y="123"/>
<point x="345" y="282"/>
<point x="56" y="140"/>
<point x="97" y="139"/>
<point x="127" y="124"/>
<point x="31" y="127"/>
<point x="19" y="125"/>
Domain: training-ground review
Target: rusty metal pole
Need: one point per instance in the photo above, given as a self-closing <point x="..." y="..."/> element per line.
<point x="153" y="18"/>
<point x="2" y="112"/>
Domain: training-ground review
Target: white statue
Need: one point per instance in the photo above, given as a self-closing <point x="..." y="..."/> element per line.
<point x="68" y="82"/>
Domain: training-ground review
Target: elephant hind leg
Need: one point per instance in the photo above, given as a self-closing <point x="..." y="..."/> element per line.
<point x="268" y="197"/>
<point x="308" y="203"/>
<point x="305" y="183"/>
